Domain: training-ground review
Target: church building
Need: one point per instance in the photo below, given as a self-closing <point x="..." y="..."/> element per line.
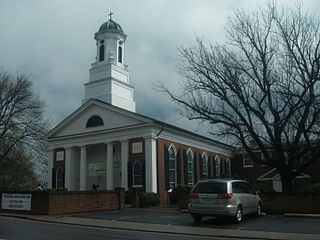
<point x="105" y="143"/>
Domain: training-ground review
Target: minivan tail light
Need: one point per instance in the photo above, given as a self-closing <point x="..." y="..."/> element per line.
<point x="194" y="195"/>
<point x="225" y="195"/>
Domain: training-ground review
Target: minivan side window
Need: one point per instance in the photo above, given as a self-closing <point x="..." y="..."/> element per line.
<point x="236" y="188"/>
<point x="250" y="189"/>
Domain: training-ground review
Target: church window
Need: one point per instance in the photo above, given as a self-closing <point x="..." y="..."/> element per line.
<point x="94" y="121"/>
<point x="101" y="53"/>
<point x="189" y="167"/>
<point x="137" y="174"/>
<point x="228" y="168"/>
<point x="172" y="166"/>
<point x="247" y="161"/>
<point x="120" y="54"/>
<point x="204" y="165"/>
<point x="59" y="178"/>
<point x="218" y="166"/>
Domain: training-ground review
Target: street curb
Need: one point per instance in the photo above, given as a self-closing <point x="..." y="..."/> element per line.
<point x="302" y="215"/>
<point x="166" y="229"/>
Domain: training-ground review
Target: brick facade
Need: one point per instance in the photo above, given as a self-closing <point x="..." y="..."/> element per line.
<point x="162" y="148"/>
<point x="54" y="203"/>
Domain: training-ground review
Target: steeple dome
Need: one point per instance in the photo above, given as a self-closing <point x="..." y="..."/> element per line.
<point x="110" y="25"/>
<point x="109" y="75"/>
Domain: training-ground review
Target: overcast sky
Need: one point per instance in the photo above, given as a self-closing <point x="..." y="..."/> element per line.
<point x="52" y="42"/>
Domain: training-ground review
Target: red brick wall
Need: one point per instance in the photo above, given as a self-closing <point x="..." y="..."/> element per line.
<point x="76" y="202"/>
<point x="54" y="203"/>
<point x="179" y="147"/>
<point x="280" y="203"/>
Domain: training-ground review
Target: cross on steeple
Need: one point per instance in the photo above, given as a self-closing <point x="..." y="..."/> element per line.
<point x="110" y="15"/>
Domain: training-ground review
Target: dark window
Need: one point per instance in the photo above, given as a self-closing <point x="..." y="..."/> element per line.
<point x="59" y="178"/>
<point x="94" y="121"/>
<point x="101" y="53"/>
<point x="242" y="187"/>
<point x="120" y="54"/>
<point x="137" y="174"/>
<point x="236" y="187"/>
<point x="218" y="166"/>
<point x="211" y="187"/>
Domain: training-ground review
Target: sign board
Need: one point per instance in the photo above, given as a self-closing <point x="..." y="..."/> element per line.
<point x="137" y="147"/>
<point x="16" y="201"/>
<point x="97" y="169"/>
<point x="60" y="156"/>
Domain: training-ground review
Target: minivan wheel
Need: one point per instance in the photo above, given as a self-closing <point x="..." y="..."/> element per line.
<point x="197" y="218"/>
<point x="258" y="213"/>
<point x="238" y="217"/>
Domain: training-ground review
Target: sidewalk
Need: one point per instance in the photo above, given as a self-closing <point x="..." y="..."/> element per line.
<point x="171" y="229"/>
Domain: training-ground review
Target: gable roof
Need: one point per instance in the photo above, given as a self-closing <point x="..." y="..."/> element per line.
<point x="137" y="120"/>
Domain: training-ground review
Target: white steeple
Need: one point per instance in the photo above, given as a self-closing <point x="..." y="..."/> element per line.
<point x="109" y="75"/>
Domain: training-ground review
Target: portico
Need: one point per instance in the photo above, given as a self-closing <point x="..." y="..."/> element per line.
<point x="103" y="164"/>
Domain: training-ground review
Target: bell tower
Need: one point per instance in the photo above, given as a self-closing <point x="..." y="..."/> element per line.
<point x="109" y="75"/>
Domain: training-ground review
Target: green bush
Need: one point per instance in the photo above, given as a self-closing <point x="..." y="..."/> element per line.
<point x="183" y="188"/>
<point x="313" y="188"/>
<point x="173" y="195"/>
<point x="149" y="199"/>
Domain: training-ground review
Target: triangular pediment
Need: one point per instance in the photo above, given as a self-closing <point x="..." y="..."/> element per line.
<point x="113" y="118"/>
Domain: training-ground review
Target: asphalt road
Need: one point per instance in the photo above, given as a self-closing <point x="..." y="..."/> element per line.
<point x="271" y="223"/>
<point x="17" y="229"/>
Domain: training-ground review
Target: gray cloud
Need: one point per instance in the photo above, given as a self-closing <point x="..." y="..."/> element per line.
<point x="52" y="41"/>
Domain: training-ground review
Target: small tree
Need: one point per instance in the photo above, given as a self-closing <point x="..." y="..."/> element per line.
<point x="22" y="124"/>
<point x="261" y="87"/>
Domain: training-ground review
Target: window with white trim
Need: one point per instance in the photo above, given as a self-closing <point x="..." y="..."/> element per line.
<point x="204" y="165"/>
<point x="137" y="174"/>
<point x="228" y="167"/>
<point x="172" y="166"/>
<point x="247" y="161"/>
<point x="218" y="166"/>
<point x="59" y="178"/>
<point x="190" y="167"/>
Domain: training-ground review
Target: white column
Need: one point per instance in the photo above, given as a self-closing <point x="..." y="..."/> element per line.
<point x="67" y="169"/>
<point x="50" y="166"/>
<point x="83" y="169"/>
<point x="151" y="164"/>
<point x="109" y="164"/>
<point x="124" y="164"/>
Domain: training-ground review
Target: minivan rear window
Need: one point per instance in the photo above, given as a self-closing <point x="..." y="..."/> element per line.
<point x="210" y="187"/>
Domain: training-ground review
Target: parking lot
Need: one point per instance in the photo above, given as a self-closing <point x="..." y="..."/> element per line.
<point x="270" y="223"/>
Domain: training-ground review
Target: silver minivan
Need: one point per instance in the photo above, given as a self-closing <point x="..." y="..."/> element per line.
<point x="223" y="197"/>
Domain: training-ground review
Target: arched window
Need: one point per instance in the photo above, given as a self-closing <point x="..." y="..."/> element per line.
<point x="204" y="165"/>
<point x="172" y="166"/>
<point x="189" y="167"/>
<point x="137" y="174"/>
<point x="218" y="166"/>
<point x="228" y="167"/>
<point x="59" y="178"/>
<point x="101" y="53"/>
<point x="94" y="121"/>
<point x="120" y="54"/>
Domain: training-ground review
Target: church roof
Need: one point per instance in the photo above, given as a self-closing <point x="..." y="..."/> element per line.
<point x="146" y="119"/>
<point x="111" y="26"/>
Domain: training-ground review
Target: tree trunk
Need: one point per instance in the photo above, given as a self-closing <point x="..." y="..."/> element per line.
<point x="286" y="180"/>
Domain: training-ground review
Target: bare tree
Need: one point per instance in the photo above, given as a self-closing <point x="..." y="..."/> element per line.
<point x="261" y="87"/>
<point x="22" y="123"/>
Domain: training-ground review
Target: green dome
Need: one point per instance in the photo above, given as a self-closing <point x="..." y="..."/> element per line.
<point x="111" y="26"/>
